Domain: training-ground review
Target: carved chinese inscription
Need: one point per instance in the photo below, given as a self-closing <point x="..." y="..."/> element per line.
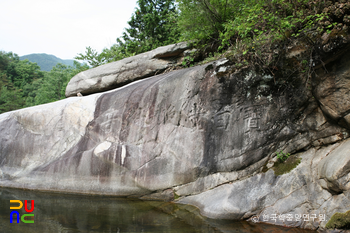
<point x="223" y="119"/>
<point x="251" y="117"/>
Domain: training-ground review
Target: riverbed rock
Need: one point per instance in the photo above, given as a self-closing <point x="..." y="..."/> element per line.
<point x="205" y="136"/>
<point x="295" y="199"/>
<point x="119" y="73"/>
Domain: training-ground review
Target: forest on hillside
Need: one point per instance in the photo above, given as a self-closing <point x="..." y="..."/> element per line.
<point x="244" y="31"/>
<point x="46" y="61"/>
<point x="24" y="84"/>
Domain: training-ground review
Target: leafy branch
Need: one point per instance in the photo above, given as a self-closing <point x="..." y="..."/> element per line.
<point x="282" y="156"/>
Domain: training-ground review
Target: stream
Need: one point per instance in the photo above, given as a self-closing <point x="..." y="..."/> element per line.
<point x="66" y="213"/>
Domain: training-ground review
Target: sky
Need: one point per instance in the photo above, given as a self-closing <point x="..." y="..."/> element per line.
<point x="62" y="28"/>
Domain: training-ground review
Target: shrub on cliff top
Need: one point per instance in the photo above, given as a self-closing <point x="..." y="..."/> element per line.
<point x="254" y="27"/>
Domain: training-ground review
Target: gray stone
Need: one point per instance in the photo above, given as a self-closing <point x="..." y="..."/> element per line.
<point x="211" y="181"/>
<point x="173" y="50"/>
<point x="332" y="90"/>
<point x="165" y="195"/>
<point x="56" y="127"/>
<point x="152" y="135"/>
<point x="205" y="136"/>
<point x="334" y="168"/>
<point x="119" y="73"/>
<point x="269" y="197"/>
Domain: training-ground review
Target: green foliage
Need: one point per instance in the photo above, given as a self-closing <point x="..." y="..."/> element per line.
<point x="339" y="221"/>
<point x="176" y="196"/>
<point x="114" y="53"/>
<point x="282" y="156"/>
<point x="265" y="26"/>
<point x="23" y="72"/>
<point x="251" y="27"/>
<point x="23" y="84"/>
<point x="53" y="85"/>
<point x="188" y="60"/>
<point x="151" y="26"/>
<point x="10" y="100"/>
<point x="92" y="57"/>
<point x="211" y="57"/>
<point x="205" y="19"/>
<point x="282" y="167"/>
<point x="244" y="24"/>
<point x="280" y="19"/>
<point x="16" y="76"/>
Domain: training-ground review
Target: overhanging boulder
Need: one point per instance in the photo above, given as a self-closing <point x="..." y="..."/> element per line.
<point x="119" y="73"/>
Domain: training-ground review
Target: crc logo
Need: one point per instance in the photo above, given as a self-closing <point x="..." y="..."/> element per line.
<point x="23" y="218"/>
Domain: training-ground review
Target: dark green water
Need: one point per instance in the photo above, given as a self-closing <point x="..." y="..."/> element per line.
<point x="79" y="213"/>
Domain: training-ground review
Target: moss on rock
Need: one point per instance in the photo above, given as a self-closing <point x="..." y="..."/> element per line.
<point x="176" y="196"/>
<point x="289" y="164"/>
<point x="339" y="221"/>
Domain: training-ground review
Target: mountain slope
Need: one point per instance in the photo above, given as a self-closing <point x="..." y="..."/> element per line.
<point x="46" y="61"/>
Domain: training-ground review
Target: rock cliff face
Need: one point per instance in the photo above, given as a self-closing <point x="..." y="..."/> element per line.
<point x="204" y="136"/>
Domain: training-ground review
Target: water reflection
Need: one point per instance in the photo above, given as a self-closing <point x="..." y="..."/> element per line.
<point x="78" y="213"/>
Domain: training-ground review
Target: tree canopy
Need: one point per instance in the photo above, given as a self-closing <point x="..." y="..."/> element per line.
<point x="153" y="24"/>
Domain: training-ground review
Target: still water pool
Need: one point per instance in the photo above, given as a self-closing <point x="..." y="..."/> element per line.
<point x="81" y="213"/>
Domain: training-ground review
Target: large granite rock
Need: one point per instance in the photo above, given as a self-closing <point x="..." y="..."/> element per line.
<point x="204" y="136"/>
<point x="335" y="168"/>
<point x="119" y="73"/>
<point x="279" y="200"/>
<point x="332" y="90"/>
